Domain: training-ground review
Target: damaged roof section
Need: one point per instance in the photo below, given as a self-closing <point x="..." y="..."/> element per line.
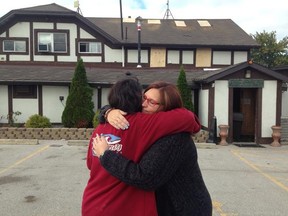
<point x="188" y="33"/>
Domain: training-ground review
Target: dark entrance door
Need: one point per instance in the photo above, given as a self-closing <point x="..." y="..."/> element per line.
<point x="244" y="113"/>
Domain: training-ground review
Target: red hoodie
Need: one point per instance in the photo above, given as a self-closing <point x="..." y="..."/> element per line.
<point x="105" y="195"/>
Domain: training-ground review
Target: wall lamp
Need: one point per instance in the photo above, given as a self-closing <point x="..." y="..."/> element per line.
<point x="61" y="98"/>
<point x="248" y="74"/>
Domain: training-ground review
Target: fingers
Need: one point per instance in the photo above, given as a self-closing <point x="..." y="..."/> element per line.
<point x="122" y="113"/>
<point x="121" y="120"/>
<point x="99" y="145"/>
<point x="122" y="123"/>
<point x="117" y="120"/>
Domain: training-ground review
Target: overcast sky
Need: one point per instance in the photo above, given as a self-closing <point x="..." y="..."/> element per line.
<point x="251" y="15"/>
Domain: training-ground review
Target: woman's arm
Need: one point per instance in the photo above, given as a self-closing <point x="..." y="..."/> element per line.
<point x="115" y="117"/>
<point x="157" y="165"/>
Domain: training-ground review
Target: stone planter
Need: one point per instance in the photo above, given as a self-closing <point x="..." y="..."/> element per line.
<point x="223" y="134"/>
<point x="276" y="135"/>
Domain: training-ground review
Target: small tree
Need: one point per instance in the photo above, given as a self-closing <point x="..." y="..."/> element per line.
<point x="185" y="90"/>
<point x="78" y="111"/>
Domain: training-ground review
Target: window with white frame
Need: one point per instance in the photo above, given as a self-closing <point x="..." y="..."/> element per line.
<point x="52" y="42"/>
<point x="14" y="46"/>
<point x="90" y="47"/>
<point x="221" y="58"/>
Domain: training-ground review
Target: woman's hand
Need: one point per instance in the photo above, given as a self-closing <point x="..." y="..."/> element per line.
<point x="116" y="118"/>
<point x="100" y="145"/>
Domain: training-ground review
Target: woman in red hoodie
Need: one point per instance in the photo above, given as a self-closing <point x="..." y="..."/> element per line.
<point x="170" y="166"/>
<point x="106" y="195"/>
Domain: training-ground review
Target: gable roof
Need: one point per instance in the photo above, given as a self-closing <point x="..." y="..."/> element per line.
<point x="283" y="68"/>
<point x="222" y="33"/>
<point x="50" y="13"/>
<point x="211" y="76"/>
<point x="219" y="33"/>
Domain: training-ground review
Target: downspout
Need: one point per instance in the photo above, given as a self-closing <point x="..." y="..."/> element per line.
<point x="123" y="56"/>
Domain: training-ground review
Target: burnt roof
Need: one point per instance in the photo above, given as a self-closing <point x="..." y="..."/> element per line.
<point x="222" y="33"/>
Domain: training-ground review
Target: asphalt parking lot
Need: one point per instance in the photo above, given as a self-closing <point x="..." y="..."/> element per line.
<point x="48" y="179"/>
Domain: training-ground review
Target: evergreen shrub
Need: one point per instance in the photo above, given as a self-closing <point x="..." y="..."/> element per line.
<point x="78" y="111"/>
<point x="38" y="121"/>
<point x="185" y="90"/>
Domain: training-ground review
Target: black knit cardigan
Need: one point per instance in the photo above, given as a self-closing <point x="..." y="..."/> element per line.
<point x="170" y="167"/>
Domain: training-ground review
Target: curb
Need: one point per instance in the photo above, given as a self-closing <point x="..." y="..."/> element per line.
<point x="77" y="142"/>
<point x="206" y="145"/>
<point x="19" y="141"/>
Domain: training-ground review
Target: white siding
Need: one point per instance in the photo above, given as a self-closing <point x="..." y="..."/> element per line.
<point x="104" y="101"/>
<point x="19" y="58"/>
<point x="285" y="104"/>
<point x="3" y="34"/>
<point x="113" y="55"/>
<point x="73" y="34"/>
<point x="203" y="107"/>
<point x="2" y="58"/>
<point x="269" y="100"/>
<point x="3" y="103"/>
<point x="221" y="102"/>
<point x="20" y="29"/>
<point x="71" y="58"/>
<point x="86" y="35"/>
<point x="27" y="107"/>
<point x="52" y="106"/>
<point x="105" y="93"/>
<point x="37" y="25"/>
<point x="91" y="58"/>
<point x="44" y="58"/>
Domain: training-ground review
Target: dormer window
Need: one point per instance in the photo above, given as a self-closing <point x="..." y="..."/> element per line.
<point x="52" y="42"/>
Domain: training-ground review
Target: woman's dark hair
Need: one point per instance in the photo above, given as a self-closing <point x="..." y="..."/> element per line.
<point x="170" y="97"/>
<point x="126" y="95"/>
